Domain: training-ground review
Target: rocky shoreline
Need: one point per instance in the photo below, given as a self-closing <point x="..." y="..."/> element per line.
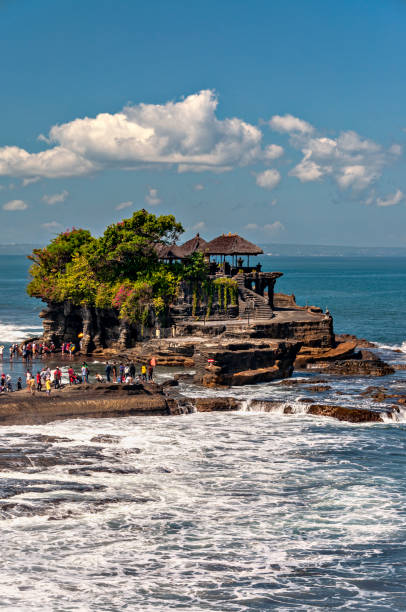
<point x="115" y="400"/>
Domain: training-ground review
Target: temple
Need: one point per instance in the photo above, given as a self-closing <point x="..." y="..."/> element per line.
<point x="235" y="300"/>
<point x="228" y="257"/>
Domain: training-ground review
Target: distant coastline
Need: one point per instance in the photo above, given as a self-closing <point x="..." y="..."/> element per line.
<point x="270" y="249"/>
<point x="311" y="250"/>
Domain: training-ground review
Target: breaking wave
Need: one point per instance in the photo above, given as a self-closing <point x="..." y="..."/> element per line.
<point x="15" y="333"/>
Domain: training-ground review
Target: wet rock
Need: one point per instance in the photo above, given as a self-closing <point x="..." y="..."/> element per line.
<point x="88" y="470"/>
<point x="371" y="366"/>
<point x="216" y="404"/>
<point x="318" y="388"/>
<point x="49" y="439"/>
<point x="345" y="413"/>
<point x="172" y="382"/>
<point x="184" y="377"/>
<point x="106" y="439"/>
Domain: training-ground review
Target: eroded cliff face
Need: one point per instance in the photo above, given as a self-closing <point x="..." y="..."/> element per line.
<point x="317" y="332"/>
<point x="244" y="363"/>
<point x="101" y="328"/>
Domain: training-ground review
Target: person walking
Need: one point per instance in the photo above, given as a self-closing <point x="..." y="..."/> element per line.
<point x="48" y="387"/>
<point x="57" y="377"/>
<point x="108" y="372"/>
<point x="39" y="382"/>
<point x="71" y="374"/>
<point x="144" y="373"/>
<point x="85" y="372"/>
<point x="150" y="373"/>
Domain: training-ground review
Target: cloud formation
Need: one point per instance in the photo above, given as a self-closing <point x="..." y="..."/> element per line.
<point x="268" y="179"/>
<point x="56" y="198"/>
<point x="391" y="199"/>
<point x="15" y="205"/>
<point x="185" y="133"/>
<point x="289" y="123"/>
<point x="123" y="205"/>
<point x="273" y="228"/>
<point x="269" y="228"/>
<point x="351" y="161"/>
<point x="52" y="225"/>
<point x="152" y="197"/>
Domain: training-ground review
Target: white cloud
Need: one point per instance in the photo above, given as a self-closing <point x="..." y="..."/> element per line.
<point x="199" y="187"/>
<point x="51" y="225"/>
<point x="152" y="197"/>
<point x="268" y="179"/>
<point x="251" y="226"/>
<point x="357" y="177"/>
<point x="396" y="149"/>
<point x="15" y="205"/>
<point x="124" y="205"/>
<point x="29" y="181"/>
<point x="273" y="228"/>
<point x="351" y="141"/>
<point x="308" y="170"/>
<point x="186" y="133"/>
<point x="198" y="226"/>
<point x="273" y="151"/>
<point x="391" y="199"/>
<point x="351" y="161"/>
<point x="56" y="198"/>
<point x="289" y="123"/>
<point x="54" y="163"/>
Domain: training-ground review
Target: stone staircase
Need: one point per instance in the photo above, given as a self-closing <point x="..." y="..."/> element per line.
<point x="261" y="308"/>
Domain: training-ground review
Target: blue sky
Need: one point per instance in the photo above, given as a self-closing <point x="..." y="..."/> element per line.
<point x="282" y="121"/>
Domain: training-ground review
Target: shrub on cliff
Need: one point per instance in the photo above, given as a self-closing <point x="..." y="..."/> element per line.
<point x="119" y="270"/>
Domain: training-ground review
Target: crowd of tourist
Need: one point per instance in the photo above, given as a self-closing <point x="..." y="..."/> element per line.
<point x="45" y="379"/>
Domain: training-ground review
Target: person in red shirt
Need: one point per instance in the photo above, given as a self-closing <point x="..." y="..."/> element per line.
<point x="71" y="374"/>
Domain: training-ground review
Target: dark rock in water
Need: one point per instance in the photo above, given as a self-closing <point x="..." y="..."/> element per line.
<point x="216" y="404"/>
<point x="106" y="438"/>
<point x="367" y="365"/>
<point x="306" y="400"/>
<point x="172" y="382"/>
<point x="318" y="388"/>
<point x="181" y="377"/>
<point x="345" y="413"/>
<point x="104" y="469"/>
<point x="49" y="439"/>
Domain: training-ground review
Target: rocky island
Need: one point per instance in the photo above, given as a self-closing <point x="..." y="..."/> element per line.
<point x="134" y="293"/>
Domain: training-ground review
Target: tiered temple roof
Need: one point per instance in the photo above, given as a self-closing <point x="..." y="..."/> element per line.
<point x="231" y="244"/>
<point x="227" y="244"/>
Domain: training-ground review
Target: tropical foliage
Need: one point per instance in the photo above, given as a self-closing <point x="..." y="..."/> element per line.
<point x="119" y="270"/>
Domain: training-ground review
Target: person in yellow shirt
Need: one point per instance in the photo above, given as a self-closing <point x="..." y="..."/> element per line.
<point x="48" y="386"/>
<point x="144" y="373"/>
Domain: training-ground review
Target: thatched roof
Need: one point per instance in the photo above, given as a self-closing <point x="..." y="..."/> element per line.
<point x="194" y="244"/>
<point x="231" y="244"/>
<point x="168" y="251"/>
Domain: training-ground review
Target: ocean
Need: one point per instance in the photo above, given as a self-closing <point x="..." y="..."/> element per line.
<point x="240" y="511"/>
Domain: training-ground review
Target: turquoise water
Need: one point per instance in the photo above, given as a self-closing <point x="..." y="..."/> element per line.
<point x="225" y="512"/>
<point x="366" y="296"/>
